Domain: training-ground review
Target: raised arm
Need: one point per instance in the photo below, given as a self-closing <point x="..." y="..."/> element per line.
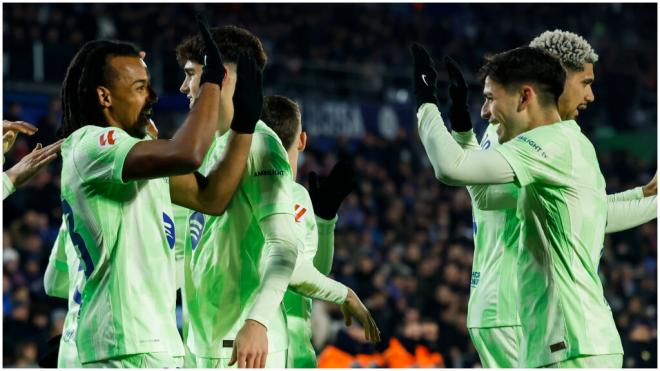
<point x="185" y="152"/>
<point x="212" y="194"/>
<point x="622" y="215"/>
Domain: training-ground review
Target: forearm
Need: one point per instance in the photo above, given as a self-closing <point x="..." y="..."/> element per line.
<point x="629" y="195"/>
<point x="281" y="249"/>
<point x="453" y="165"/>
<point x="622" y="215"/>
<point x="195" y="135"/>
<point x="225" y="177"/>
<point x="7" y="186"/>
<point x="326" y="245"/>
<point x="308" y="281"/>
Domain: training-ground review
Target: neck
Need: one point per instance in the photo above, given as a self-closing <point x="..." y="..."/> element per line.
<point x="292" y="153"/>
<point x="544" y="117"/>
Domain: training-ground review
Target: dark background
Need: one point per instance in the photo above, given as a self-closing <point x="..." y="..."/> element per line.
<point x="404" y="241"/>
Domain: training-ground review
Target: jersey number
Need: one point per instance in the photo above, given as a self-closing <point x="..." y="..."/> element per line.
<point x="77" y="239"/>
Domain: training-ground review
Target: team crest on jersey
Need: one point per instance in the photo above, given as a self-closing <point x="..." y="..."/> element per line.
<point x="168" y="225"/>
<point x="299" y="212"/>
<point x="196" y="224"/>
<point x="107" y="138"/>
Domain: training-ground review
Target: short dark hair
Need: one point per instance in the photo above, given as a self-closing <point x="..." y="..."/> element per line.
<point x="232" y="42"/>
<point x="283" y="116"/>
<point x="88" y="69"/>
<point x="527" y="65"/>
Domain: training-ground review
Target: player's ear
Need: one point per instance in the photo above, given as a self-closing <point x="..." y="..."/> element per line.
<point x="103" y="95"/>
<point x="526" y="96"/>
<point x="302" y="141"/>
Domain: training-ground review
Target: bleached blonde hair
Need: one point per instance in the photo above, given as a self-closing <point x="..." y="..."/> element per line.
<point x="572" y="49"/>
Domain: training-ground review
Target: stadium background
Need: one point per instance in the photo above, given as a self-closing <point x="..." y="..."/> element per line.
<point x="404" y="241"/>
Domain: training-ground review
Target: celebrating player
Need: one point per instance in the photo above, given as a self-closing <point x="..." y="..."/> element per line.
<point x="562" y="203"/>
<point x="493" y="319"/>
<point x="315" y="215"/>
<point x="116" y="199"/>
<point x="238" y="265"/>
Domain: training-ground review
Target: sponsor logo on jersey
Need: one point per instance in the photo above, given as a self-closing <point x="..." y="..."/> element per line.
<point x="168" y="225"/>
<point x="196" y="224"/>
<point x="299" y="211"/>
<point x="533" y="144"/>
<point x="475" y="279"/>
<point x="485" y="144"/>
<point x="269" y="173"/>
<point x="107" y="138"/>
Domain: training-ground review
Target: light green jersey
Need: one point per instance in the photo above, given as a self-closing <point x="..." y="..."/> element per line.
<point x="123" y="233"/>
<point x="562" y="207"/>
<point x="493" y="286"/>
<point x="64" y="258"/>
<point x="226" y="251"/>
<point x="298" y="308"/>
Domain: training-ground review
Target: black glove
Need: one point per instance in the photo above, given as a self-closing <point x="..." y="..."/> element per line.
<point x="327" y="193"/>
<point x="213" y="70"/>
<point x="248" y="97"/>
<point x="458" y="94"/>
<point x="424" y="76"/>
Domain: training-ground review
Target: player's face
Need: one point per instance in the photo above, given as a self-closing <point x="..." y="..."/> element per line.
<point x="191" y="88"/>
<point x="500" y="107"/>
<point x="130" y="95"/>
<point x="577" y="92"/>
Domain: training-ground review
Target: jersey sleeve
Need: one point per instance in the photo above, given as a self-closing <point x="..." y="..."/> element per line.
<point x="536" y="156"/>
<point x="7" y="186"/>
<point x="56" y="277"/>
<point x="326" y="245"/>
<point x="632" y="194"/>
<point x="99" y="154"/>
<point x="268" y="178"/>
<point x="622" y="215"/>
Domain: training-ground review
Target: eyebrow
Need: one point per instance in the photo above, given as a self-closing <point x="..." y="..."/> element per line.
<point x="143" y="81"/>
<point x="189" y="71"/>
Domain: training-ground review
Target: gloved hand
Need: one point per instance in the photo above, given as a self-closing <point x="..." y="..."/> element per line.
<point x="214" y="69"/>
<point x="458" y="94"/>
<point x="248" y="96"/>
<point x="424" y="76"/>
<point x="327" y="193"/>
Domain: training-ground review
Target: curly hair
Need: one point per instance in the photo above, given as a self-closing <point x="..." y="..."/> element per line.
<point x="572" y="49"/>
<point x="232" y="42"/>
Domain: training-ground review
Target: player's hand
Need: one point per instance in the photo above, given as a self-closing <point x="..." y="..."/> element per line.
<point x="10" y="130"/>
<point x="327" y="193"/>
<point x="651" y="189"/>
<point x="458" y="94"/>
<point x="248" y="97"/>
<point x="214" y="69"/>
<point x="353" y="307"/>
<point x="424" y="76"/>
<point x="250" y="346"/>
<point x="31" y="163"/>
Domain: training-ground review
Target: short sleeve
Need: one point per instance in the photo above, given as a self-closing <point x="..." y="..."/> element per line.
<point x="99" y="154"/>
<point x="268" y="178"/>
<point x="538" y="156"/>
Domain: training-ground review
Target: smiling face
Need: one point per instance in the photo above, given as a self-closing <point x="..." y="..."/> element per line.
<point x="191" y="88"/>
<point x="577" y="92"/>
<point x="127" y="101"/>
<point x="501" y="107"/>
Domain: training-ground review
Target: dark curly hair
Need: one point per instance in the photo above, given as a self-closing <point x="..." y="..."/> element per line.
<point x="232" y="42"/>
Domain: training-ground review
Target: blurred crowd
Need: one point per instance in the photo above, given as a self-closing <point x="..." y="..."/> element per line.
<point x="403" y="241"/>
<point x="350" y="50"/>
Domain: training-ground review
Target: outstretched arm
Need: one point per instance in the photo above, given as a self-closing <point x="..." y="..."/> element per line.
<point x="622" y="215"/>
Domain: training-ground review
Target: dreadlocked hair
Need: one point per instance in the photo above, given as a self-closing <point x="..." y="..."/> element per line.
<point x="89" y="69"/>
